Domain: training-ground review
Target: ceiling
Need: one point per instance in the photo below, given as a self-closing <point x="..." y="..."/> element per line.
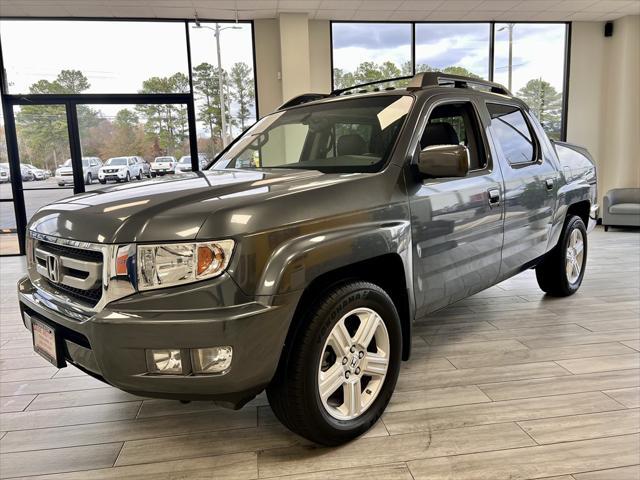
<point x="429" y="10"/>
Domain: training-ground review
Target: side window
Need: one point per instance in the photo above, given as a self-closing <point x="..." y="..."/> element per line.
<point x="512" y="132"/>
<point x="456" y="124"/>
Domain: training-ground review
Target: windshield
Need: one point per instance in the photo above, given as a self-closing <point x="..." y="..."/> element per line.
<point x="185" y="160"/>
<point x="354" y="135"/>
<point x="117" y="161"/>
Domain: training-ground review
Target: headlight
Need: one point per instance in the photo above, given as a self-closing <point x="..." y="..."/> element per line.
<point x="171" y="264"/>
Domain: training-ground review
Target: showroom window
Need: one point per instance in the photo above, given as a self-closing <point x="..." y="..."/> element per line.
<point x="235" y="73"/>
<point x="93" y="56"/>
<point x="529" y="58"/>
<point x="457" y="48"/>
<point x="530" y="61"/>
<point x="101" y="89"/>
<point x="365" y="52"/>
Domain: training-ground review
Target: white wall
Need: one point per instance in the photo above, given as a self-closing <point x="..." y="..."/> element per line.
<point x="604" y="99"/>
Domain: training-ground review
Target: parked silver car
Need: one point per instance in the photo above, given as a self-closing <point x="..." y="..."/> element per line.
<point x="90" y="167"/>
<point x="4" y="174"/>
<point x="120" y="169"/>
<point x="184" y="164"/>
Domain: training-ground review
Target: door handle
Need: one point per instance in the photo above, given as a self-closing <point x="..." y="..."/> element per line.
<point x="549" y="183"/>
<point x="494" y="197"/>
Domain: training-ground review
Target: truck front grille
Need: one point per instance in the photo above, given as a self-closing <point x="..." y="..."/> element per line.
<point x="72" y="271"/>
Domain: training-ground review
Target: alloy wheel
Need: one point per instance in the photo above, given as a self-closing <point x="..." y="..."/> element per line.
<point x="353" y="365"/>
<point x="575" y="256"/>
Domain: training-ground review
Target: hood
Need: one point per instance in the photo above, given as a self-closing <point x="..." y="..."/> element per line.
<point x="169" y="208"/>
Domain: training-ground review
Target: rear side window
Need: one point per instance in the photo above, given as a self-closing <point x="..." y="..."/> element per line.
<point x="512" y="133"/>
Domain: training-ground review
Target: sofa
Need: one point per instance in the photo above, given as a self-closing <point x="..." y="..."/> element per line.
<point x="621" y="208"/>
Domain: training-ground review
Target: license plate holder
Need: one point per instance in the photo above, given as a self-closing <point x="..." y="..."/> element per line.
<point x="45" y="342"/>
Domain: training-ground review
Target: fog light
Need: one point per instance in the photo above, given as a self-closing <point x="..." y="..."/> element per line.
<point x="212" y="359"/>
<point x="165" y="361"/>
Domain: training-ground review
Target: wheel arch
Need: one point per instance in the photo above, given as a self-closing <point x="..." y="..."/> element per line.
<point x="386" y="271"/>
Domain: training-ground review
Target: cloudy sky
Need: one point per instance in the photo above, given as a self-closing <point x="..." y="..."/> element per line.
<point x="538" y="49"/>
<point x="116" y="57"/>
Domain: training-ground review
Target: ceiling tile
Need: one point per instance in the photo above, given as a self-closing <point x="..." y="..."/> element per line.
<point x="256" y="4"/>
<point x="334" y="14"/>
<point x="552" y="17"/>
<point x="92" y="11"/>
<point x="215" y="14"/>
<point x="609" y="6"/>
<point x="478" y="15"/>
<point x="340" y="4"/>
<point x="570" y="5"/>
<point x="45" y="11"/>
<point x="459" y="5"/>
<point x="497" y="5"/>
<point x="535" y="5"/>
<point x="217" y="5"/>
<point x="174" y="12"/>
<point x="441" y="15"/>
<point x="381" y="15"/>
<point x="251" y="14"/>
<point x="421" y="5"/>
<point x="299" y="4"/>
<point x="583" y="16"/>
<point x="408" y="15"/>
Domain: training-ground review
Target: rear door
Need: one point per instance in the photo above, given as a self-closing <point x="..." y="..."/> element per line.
<point x="530" y="180"/>
<point x="456" y="222"/>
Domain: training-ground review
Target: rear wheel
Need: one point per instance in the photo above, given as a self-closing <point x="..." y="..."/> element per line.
<point x="561" y="272"/>
<point x="102" y="181"/>
<point x="340" y="368"/>
<point x="89" y="179"/>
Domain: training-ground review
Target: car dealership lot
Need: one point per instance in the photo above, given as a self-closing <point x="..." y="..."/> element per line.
<point x="508" y="382"/>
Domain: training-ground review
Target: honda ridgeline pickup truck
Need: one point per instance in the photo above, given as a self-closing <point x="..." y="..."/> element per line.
<point x="302" y="272"/>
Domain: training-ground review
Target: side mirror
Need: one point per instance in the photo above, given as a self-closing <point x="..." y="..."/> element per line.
<point x="444" y="161"/>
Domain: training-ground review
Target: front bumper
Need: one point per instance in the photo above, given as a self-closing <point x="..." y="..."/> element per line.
<point x="111" y="344"/>
<point x="119" y="175"/>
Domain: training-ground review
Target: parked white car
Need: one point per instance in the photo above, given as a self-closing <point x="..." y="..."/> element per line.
<point x="120" y="169"/>
<point x="90" y="167"/>
<point x="162" y="165"/>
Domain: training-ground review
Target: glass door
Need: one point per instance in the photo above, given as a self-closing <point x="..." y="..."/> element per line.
<point x="46" y="170"/>
<point x="9" y="244"/>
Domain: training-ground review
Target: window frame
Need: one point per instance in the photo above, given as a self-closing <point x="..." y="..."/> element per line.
<point x="483" y="141"/>
<point x="538" y="158"/>
<point x="492" y="38"/>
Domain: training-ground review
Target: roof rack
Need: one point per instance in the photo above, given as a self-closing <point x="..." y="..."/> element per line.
<point x="417" y="82"/>
<point x="304" y="98"/>
<point x="434" y="79"/>
<point x="340" y="91"/>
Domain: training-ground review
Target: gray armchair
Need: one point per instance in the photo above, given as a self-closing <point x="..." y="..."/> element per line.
<point x="621" y="207"/>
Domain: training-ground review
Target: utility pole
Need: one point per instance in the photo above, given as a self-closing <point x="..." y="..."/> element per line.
<point x="223" y="114"/>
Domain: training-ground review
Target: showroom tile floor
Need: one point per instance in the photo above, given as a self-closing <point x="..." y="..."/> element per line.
<point x="506" y="384"/>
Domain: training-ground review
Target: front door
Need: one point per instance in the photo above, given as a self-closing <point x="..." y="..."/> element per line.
<point x="457" y="223"/>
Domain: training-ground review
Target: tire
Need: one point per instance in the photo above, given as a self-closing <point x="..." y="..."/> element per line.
<point x="128" y="179"/>
<point x="555" y="274"/>
<point x="153" y="175"/>
<point x="102" y="181"/>
<point x="88" y="180"/>
<point x="295" y="392"/>
<point x="139" y="176"/>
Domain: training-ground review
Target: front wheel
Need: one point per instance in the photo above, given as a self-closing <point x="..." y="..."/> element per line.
<point x="88" y="180"/>
<point x="128" y="179"/>
<point x="340" y="367"/>
<point x="561" y="272"/>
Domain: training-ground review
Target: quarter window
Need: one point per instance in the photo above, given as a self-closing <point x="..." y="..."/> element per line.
<point x="512" y="133"/>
